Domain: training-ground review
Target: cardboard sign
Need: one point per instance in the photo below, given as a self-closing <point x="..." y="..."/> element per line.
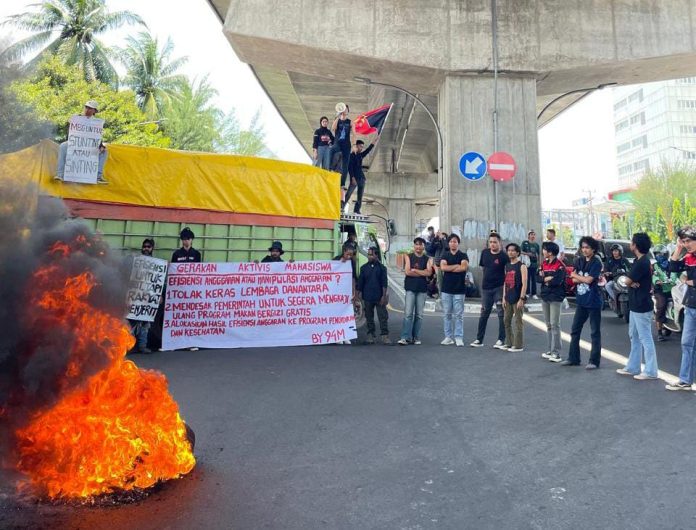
<point x="145" y="287"/>
<point x="243" y="305"/>
<point x="82" y="160"/>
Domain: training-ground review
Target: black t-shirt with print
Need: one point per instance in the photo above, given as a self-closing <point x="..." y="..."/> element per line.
<point x="493" y="268"/>
<point x="454" y="282"/>
<point x="639" y="299"/>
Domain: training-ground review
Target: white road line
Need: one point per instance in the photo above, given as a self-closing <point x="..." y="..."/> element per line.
<point x="606" y="354"/>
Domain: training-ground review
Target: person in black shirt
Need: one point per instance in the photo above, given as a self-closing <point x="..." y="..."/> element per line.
<point x="274" y="253"/>
<point x="357" y="176"/>
<point x="342" y="128"/>
<point x="514" y="297"/>
<point x="372" y="288"/>
<point x="186" y="254"/>
<point x="321" y="144"/>
<point x="640" y="305"/>
<point x="454" y="264"/>
<point x="552" y="276"/>
<point x="419" y="267"/>
<point x="493" y="261"/>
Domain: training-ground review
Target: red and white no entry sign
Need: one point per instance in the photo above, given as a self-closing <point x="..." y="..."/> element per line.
<point x="501" y="166"/>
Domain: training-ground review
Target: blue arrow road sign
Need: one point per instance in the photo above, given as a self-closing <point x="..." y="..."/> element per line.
<point x="472" y="165"/>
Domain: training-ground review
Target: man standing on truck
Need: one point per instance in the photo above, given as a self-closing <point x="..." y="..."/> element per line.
<point x="357" y="176"/>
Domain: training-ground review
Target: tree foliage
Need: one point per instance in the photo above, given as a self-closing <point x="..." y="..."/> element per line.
<point x="151" y="74"/>
<point x="56" y="91"/>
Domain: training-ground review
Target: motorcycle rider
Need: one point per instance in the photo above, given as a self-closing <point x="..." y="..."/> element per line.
<point x="662" y="281"/>
<point x="615" y="262"/>
<point x="684" y="259"/>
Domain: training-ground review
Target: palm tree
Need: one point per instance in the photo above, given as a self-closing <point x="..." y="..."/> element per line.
<point x="150" y="73"/>
<point x="69" y="29"/>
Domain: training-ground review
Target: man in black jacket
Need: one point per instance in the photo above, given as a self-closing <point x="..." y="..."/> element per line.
<point x="552" y="277"/>
<point x="372" y="288"/>
<point x="357" y="177"/>
<point x="186" y="254"/>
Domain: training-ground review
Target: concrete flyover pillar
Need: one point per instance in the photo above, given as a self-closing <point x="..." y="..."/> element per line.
<point x="401" y="211"/>
<point x="465" y="114"/>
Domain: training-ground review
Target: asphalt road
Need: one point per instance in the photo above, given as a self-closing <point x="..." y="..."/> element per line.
<point x="391" y="437"/>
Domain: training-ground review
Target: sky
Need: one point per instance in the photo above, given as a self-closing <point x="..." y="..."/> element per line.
<point x="577" y="149"/>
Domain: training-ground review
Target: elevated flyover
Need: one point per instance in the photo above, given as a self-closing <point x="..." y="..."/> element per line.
<point x="485" y="68"/>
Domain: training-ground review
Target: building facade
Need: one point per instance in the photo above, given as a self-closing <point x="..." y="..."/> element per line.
<point x="655" y="124"/>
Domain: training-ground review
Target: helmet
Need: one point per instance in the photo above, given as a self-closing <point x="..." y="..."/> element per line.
<point x="618" y="247"/>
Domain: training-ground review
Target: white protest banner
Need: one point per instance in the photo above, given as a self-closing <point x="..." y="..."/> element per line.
<point x="242" y="305"/>
<point x="145" y="287"/>
<point x="82" y="160"/>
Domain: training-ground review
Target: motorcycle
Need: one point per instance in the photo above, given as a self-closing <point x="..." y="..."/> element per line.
<point x="620" y="305"/>
<point x="675" y="306"/>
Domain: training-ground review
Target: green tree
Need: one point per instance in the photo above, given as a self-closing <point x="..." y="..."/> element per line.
<point x="248" y="142"/>
<point x="677" y="219"/>
<point x="190" y="119"/>
<point x="151" y="74"/>
<point x="56" y="91"/>
<point x="659" y="228"/>
<point x="70" y="29"/>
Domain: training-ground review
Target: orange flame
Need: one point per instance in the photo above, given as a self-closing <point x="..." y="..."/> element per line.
<point x="122" y="429"/>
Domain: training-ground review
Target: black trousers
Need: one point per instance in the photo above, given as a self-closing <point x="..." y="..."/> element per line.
<point x="489" y="298"/>
<point x="531" y="280"/>
<point x="382" y="315"/>
<point x="361" y="189"/>
<point x="581" y="316"/>
<point x="660" y="305"/>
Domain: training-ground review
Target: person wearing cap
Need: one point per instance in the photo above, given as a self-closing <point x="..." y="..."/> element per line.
<point x="372" y="288"/>
<point x="275" y="251"/>
<point x="186" y="254"/>
<point x="91" y="108"/>
<point x="141" y="328"/>
<point x="418" y="268"/>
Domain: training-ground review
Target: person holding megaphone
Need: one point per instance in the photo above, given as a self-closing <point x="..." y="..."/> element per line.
<point x="342" y="127"/>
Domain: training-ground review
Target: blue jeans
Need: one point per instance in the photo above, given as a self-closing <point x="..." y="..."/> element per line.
<point x="63" y="153"/>
<point x="453" y="306"/>
<point x="688" y="345"/>
<point x="140" y="329"/>
<point x="413" y="315"/>
<point x="640" y="332"/>
<point x="323" y="157"/>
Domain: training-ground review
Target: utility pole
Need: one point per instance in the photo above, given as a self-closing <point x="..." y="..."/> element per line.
<point x="590" y="210"/>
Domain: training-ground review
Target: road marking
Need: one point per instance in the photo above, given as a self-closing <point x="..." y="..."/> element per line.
<point x="606" y="354"/>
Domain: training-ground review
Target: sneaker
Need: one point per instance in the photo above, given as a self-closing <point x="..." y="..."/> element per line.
<point x="386" y="340"/>
<point x="555" y="358"/>
<point x="546" y="355"/>
<point x="678" y="386"/>
<point x="193" y="349"/>
<point x="569" y="363"/>
<point x="402" y="342"/>
<point x="499" y="345"/>
<point x="623" y="371"/>
<point x="459" y="341"/>
<point x="514" y="350"/>
<point x="57" y="177"/>
<point x="535" y="297"/>
<point x="347" y="342"/>
<point x="144" y="350"/>
<point x="591" y="366"/>
<point x="417" y="342"/>
<point x="476" y="344"/>
<point x="644" y="377"/>
<point x="447" y="341"/>
<point x="370" y="339"/>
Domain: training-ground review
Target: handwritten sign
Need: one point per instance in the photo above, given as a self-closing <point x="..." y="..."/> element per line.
<point x="145" y="287"/>
<point x="82" y="159"/>
<point x="241" y="305"/>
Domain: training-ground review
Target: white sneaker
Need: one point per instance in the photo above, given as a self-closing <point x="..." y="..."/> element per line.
<point x="644" y="377"/>
<point x="535" y="297"/>
<point x="459" y="341"/>
<point x="476" y="344"/>
<point x="417" y="342"/>
<point x="499" y="345"/>
<point x="514" y="350"/>
<point x="193" y="349"/>
<point x="402" y="342"/>
<point x="347" y="342"/>
<point x="623" y="371"/>
<point x="546" y="355"/>
<point x="447" y="341"/>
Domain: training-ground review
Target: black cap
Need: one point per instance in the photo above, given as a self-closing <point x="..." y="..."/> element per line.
<point x="186" y="233"/>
